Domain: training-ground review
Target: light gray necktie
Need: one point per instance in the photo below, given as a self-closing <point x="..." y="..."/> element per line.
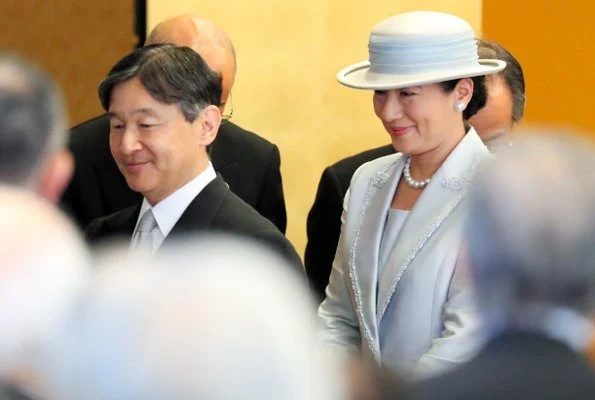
<point x="143" y="240"/>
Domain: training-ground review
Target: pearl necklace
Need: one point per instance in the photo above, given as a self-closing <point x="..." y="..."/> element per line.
<point x="410" y="181"/>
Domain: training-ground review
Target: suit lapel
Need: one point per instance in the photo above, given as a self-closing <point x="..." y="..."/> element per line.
<point x="363" y="255"/>
<point x="439" y="199"/>
<point x="201" y="211"/>
<point x="123" y="222"/>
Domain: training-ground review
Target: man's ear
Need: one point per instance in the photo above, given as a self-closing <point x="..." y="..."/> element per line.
<point x="55" y="175"/>
<point x="209" y="125"/>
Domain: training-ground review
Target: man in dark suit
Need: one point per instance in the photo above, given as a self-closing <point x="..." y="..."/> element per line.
<point x="324" y="218"/>
<point x="532" y="265"/>
<point x="504" y="108"/>
<point x="163" y="105"/>
<point x="248" y="163"/>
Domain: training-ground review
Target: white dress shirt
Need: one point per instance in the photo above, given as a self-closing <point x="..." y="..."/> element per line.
<point x="169" y="210"/>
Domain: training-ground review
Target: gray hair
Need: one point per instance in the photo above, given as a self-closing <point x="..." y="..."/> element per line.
<point x="531" y="228"/>
<point x="32" y="120"/>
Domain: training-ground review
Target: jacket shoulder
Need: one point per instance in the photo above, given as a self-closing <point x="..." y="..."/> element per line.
<point x="234" y="137"/>
<point x="237" y="214"/>
<point x="379" y="169"/>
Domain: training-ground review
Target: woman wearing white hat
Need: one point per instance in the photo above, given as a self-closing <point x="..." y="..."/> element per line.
<point x="395" y="293"/>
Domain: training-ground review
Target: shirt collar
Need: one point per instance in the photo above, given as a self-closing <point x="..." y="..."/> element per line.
<point x="169" y="210"/>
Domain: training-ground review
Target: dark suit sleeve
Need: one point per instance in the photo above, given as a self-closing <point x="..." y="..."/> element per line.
<point x="71" y="201"/>
<point x="323" y="229"/>
<point x="271" y="204"/>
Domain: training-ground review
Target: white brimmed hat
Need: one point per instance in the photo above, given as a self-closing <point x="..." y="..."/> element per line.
<point x="417" y="48"/>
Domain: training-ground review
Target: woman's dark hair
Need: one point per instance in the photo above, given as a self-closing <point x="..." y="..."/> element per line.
<point x="478" y="99"/>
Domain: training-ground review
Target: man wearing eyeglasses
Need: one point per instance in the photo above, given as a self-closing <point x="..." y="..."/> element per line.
<point x="248" y="163"/>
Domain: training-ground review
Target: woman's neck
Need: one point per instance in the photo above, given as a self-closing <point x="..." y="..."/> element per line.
<point x="424" y="165"/>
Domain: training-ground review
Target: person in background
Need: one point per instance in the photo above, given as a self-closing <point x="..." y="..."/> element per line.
<point x="530" y="234"/>
<point x="503" y="110"/>
<point x="395" y="294"/>
<point x="248" y="163"/>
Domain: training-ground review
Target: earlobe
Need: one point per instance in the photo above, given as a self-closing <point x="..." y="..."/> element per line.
<point x="460" y="106"/>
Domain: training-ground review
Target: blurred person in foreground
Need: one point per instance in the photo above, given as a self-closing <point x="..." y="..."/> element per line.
<point x="530" y="234"/>
<point x="162" y="102"/>
<point x="164" y="328"/>
<point x="248" y="163"/>
<point x="44" y="267"/>
<point x="396" y="297"/>
<point x="494" y="123"/>
<point x="33" y="152"/>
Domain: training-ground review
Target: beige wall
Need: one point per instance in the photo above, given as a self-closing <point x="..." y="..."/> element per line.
<point x="288" y="55"/>
<point x="69" y="40"/>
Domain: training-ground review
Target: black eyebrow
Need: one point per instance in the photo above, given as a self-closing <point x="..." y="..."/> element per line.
<point x="150" y="111"/>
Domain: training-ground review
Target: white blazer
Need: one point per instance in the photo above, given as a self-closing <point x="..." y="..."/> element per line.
<point x="425" y="319"/>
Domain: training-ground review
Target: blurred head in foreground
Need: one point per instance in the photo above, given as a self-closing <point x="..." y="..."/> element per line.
<point x="44" y="267"/>
<point x="33" y="151"/>
<point x="215" y="320"/>
<point x="531" y="236"/>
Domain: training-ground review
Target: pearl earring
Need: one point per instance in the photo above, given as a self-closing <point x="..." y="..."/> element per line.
<point x="459" y="105"/>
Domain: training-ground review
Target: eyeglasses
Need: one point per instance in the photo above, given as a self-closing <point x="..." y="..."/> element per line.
<point x="227" y="116"/>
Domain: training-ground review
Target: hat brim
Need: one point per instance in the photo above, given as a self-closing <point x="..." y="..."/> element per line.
<point x="358" y="76"/>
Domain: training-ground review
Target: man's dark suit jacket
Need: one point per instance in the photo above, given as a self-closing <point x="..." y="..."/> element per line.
<point x="515" y="366"/>
<point x="248" y="163"/>
<point x="12" y="393"/>
<point x="215" y="209"/>
<point x="324" y="219"/>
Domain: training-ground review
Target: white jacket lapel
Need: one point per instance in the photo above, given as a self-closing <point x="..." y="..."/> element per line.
<point x="439" y="199"/>
<point x="363" y="254"/>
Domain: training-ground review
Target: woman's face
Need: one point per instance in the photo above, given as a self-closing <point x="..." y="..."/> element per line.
<point x="420" y="119"/>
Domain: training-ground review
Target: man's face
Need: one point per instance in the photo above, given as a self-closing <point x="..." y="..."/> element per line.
<point x="495" y="118"/>
<point x="155" y="148"/>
